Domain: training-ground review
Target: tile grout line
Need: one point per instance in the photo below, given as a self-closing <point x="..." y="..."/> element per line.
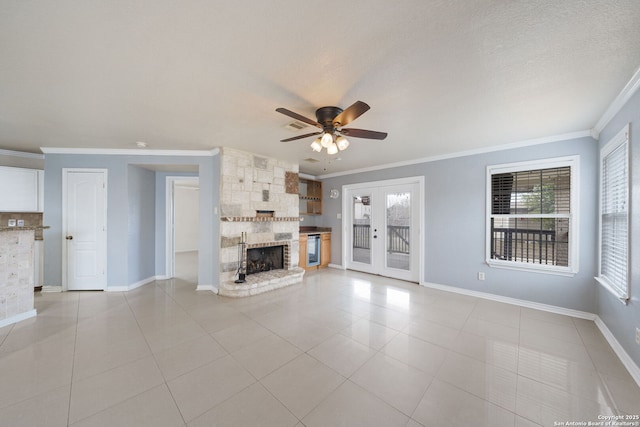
<point x="114" y="368"/>
<point x="598" y="373"/>
<point x="73" y="360"/>
<point x="154" y="359"/>
<point x="4" y="338"/>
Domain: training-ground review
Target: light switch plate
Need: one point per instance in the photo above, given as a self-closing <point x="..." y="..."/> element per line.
<point x="21" y="223"/>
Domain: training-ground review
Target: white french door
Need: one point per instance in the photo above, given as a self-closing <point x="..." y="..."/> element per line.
<point x="382" y="228"/>
<point x="85" y="229"/>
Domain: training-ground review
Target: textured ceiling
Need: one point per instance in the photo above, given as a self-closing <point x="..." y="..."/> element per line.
<point x="440" y="76"/>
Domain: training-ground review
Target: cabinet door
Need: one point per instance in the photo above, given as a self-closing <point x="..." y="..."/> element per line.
<point x="303" y="251"/>
<point x="325" y="249"/>
<point x="19" y="189"/>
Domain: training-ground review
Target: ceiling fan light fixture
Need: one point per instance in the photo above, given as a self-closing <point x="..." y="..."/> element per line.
<point x="316" y="146"/>
<point x="326" y="140"/>
<point x="332" y="149"/>
<point x="330" y="121"/>
<point x="342" y="143"/>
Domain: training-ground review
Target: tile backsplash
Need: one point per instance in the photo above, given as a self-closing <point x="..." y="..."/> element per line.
<point x="30" y="219"/>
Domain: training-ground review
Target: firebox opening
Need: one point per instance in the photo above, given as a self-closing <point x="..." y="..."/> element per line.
<point x="265" y="259"/>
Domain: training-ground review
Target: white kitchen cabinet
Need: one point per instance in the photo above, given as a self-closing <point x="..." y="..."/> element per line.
<point x="21" y="189"/>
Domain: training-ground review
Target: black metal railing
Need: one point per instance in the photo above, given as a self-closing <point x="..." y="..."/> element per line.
<point x="398" y="237"/>
<point x="532" y="246"/>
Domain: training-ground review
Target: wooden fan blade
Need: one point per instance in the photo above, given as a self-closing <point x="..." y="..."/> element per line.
<point x="298" y="117"/>
<point x="362" y="133"/>
<point x="350" y="114"/>
<point x="300" y="136"/>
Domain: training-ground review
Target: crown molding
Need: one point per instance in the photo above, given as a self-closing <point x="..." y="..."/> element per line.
<point x="21" y="154"/>
<point x="627" y="92"/>
<point x="130" y="152"/>
<point x="484" y="150"/>
<point x="307" y="176"/>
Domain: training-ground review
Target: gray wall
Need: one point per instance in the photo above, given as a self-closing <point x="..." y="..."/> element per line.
<point x="454" y="228"/>
<point x="141" y="228"/>
<point x="623" y="320"/>
<point x="130" y="255"/>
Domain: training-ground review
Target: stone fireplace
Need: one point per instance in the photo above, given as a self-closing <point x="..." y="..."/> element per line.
<point x="257" y="203"/>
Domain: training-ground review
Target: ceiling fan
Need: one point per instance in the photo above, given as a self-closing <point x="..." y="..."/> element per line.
<point x="331" y="120"/>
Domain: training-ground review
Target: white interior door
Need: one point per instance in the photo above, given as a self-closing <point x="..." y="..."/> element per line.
<point x="383" y="228"/>
<point x="85" y="229"/>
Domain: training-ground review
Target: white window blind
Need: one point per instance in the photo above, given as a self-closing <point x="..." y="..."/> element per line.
<point x="531" y="221"/>
<point x="614" y="215"/>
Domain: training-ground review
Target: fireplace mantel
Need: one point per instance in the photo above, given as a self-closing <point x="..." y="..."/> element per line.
<point x="259" y="219"/>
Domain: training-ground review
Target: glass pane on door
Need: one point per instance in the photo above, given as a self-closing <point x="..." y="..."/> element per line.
<point x="361" y="238"/>
<point x="398" y="218"/>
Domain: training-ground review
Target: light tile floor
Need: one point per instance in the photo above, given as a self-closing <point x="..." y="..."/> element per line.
<point x="341" y="349"/>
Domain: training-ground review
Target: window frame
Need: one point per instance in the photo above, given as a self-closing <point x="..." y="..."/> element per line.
<point x="573" y="162"/>
<point x="620" y="139"/>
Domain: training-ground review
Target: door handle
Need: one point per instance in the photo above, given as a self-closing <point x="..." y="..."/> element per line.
<point x="69" y="237"/>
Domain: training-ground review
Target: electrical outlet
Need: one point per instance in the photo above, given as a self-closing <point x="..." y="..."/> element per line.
<point x="638" y="336"/>
<point x="12" y="223"/>
<point x="480" y="275"/>
<point x="21" y="223"/>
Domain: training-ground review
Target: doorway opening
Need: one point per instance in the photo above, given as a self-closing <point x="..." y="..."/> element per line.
<point x="183" y="195"/>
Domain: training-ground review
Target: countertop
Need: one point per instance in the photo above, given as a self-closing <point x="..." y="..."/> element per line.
<point x="27" y="227"/>
<point x="314" y="230"/>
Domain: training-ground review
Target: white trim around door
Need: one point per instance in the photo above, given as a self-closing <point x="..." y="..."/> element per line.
<point x="86" y="267"/>
<point x="378" y="264"/>
<point x="170" y="264"/>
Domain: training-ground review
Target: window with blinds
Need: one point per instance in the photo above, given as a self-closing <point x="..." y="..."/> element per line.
<point x="531" y="219"/>
<point x="614" y="215"/>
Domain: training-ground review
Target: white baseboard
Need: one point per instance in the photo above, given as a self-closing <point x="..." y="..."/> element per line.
<point x="624" y="357"/>
<point x="338" y="266"/>
<point x="49" y="288"/>
<point x="515" y="301"/>
<point x="18" y="317"/>
<point x="132" y="286"/>
<point x="211" y="288"/>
